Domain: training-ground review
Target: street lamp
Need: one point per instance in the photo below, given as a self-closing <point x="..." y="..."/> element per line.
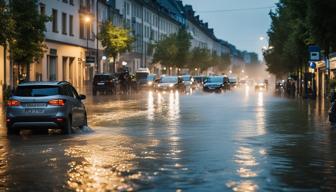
<point x="230" y="71"/>
<point x="87" y="20"/>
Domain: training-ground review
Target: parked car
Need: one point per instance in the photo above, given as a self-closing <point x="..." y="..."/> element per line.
<point x="44" y="105"/>
<point x="170" y="83"/>
<point x="103" y="83"/>
<point x="213" y="83"/>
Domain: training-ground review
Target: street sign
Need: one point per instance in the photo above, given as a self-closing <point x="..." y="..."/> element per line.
<point x="89" y="60"/>
<point x="312" y="65"/>
<point x="314" y="53"/>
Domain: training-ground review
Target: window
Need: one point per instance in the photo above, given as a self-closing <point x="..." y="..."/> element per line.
<point x="71" y="25"/>
<point x="71" y="2"/>
<point x="54" y="21"/>
<point x="42" y="9"/>
<point x="64" y="23"/>
<point x="36" y="91"/>
<point x="65" y="1"/>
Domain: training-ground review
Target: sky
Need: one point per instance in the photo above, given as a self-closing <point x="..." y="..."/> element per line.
<point x="240" y="22"/>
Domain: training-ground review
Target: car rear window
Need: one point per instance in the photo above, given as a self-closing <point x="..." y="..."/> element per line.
<point x="36" y="91"/>
<point x="102" y="78"/>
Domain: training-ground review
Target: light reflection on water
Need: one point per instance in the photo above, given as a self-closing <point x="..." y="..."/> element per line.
<point x="246" y="141"/>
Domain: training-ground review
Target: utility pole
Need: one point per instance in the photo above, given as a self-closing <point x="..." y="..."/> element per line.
<point x="97" y="26"/>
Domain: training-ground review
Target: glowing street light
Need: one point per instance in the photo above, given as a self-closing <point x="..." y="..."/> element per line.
<point x="230" y="71"/>
<point x="243" y="71"/>
<point x="87" y="19"/>
<point x="261" y="38"/>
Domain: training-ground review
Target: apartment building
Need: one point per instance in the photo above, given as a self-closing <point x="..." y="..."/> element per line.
<point x="73" y="52"/>
<point x="149" y="21"/>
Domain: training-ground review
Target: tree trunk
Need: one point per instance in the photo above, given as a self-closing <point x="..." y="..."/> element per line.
<point x="27" y="72"/>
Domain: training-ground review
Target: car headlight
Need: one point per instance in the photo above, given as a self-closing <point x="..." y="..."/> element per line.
<point x="159" y="85"/>
<point x="150" y="83"/>
<point x="171" y="85"/>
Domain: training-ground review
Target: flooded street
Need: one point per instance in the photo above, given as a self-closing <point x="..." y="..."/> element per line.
<point x="240" y="140"/>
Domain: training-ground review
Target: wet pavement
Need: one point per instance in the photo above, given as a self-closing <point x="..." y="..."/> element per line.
<point x="240" y="140"/>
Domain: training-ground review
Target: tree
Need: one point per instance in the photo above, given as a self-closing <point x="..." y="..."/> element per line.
<point x="115" y="39"/>
<point x="173" y="50"/>
<point x="165" y="51"/>
<point x="321" y="22"/>
<point x="28" y="39"/>
<point x="287" y="38"/>
<point x="183" y="43"/>
<point x="6" y="23"/>
<point x="200" y="59"/>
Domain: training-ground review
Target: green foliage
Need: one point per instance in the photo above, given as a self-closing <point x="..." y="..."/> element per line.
<point x="6" y="23"/>
<point x="28" y="38"/>
<point x="201" y="59"/>
<point x="288" y="36"/>
<point x="114" y="39"/>
<point x="166" y="51"/>
<point x="295" y="25"/>
<point x="173" y="51"/>
<point x="321" y="20"/>
<point x="183" y="43"/>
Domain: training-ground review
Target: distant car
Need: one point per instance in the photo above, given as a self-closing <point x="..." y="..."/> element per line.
<point x="141" y="76"/>
<point x="170" y="83"/>
<point x="188" y="81"/>
<point x="213" y="83"/>
<point x="199" y="79"/>
<point x="260" y="86"/>
<point x="43" y="105"/>
<point x="151" y="80"/>
<point x="103" y="83"/>
<point x="233" y="81"/>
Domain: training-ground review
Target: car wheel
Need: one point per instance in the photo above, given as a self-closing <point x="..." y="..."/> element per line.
<point x="67" y="128"/>
<point x="12" y="131"/>
<point x="85" y="123"/>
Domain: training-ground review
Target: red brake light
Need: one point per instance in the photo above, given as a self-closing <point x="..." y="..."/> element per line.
<point x="57" y="102"/>
<point x="12" y="103"/>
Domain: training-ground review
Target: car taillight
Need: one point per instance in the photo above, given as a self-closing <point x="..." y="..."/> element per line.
<point x="12" y="103"/>
<point x="57" y="102"/>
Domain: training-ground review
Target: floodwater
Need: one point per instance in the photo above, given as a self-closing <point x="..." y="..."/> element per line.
<point x="241" y="140"/>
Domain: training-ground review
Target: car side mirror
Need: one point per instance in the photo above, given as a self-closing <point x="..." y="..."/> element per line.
<point x="82" y="97"/>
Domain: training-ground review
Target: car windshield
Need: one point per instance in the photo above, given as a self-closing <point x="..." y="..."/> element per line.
<point x="151" y="77"/>
<point x="186" y="78"/>
<point x="215" y="80"/>
<point x="168" y="80"/>
<point x="141" y="75"/>
<point x="36" y="91"/>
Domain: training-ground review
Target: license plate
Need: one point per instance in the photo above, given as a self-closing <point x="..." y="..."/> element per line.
<point x="35" y="105"/>
<point x="100" y="83"/>
<point x="34" y="110"/>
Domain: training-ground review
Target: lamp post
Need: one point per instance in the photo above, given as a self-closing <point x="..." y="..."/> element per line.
<point x="87" y="20"/>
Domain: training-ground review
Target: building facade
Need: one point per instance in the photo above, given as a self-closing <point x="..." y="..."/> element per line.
<point x="73" y="52"/>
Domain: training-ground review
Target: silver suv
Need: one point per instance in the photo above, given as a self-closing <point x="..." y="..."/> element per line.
<point x="44" y="105"/>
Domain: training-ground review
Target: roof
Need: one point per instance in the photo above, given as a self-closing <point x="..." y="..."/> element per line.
<point x="51" y="83"/>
